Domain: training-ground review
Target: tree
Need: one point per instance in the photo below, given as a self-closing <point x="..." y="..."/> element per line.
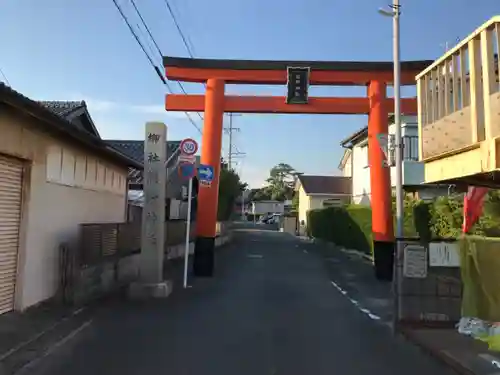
<point x="280" y="184"/>
<point x="230" y="188"/>
<point x="261" y="194"/>
<point x="282" y="179"/>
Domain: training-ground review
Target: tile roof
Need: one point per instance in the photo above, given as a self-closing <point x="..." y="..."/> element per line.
<point x="135" y="150"/>
<point x="72" y="111"/>
<point x="63" y="108"/>
<point x="354" y="138"/>
<point x="57" y="124"/>
<point x="326" y="184"/>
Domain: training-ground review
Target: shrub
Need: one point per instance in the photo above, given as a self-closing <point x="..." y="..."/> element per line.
<point x="348" y="226"/>
<point x="422" y="220"/>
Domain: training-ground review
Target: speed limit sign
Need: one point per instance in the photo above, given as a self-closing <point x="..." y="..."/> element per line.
<point x="189" y="146"/>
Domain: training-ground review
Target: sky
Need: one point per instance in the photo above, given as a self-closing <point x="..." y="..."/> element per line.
<point x="83" y="50"/>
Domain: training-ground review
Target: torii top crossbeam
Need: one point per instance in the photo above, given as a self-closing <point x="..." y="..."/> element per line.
<point x="340" y="73"/>
<point x="334" y="73"/>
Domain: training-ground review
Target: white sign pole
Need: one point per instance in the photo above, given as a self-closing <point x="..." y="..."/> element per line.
<point x="188" y="232"/>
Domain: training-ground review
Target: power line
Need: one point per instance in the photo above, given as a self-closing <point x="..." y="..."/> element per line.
<point x="155" y="67"/>
<point x="179" y="30"/>
<point x="185" y="40"/>
<point x="157" y="70"/>
<point x="154" y="41"/>
<point x="4" y="77"/>
<point x="147" y="28"/>
<point x="157" y="48"/>
<point x="142" y="34"/>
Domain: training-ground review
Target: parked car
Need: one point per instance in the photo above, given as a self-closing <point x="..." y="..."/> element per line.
<point x="269" y="219"/>
<point x="263" y="219"/>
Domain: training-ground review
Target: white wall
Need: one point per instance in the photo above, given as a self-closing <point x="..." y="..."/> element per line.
<point x="264" y="207"/>
<point x="64" y="186"/>
<point x="413" y="171"/>
<point x="347" y="170"/>
<point x="312" y="202"/>
<point x="304" y="205"/>
<point x="318" y="201"/>
<point x="360" y="174"/>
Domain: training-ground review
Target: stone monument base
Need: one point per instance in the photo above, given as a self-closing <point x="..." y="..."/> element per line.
<point x="141" y="290"/>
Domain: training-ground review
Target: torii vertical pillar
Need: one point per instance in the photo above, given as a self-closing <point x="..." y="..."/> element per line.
<point x="380" y="182"/>
<point x="208" y="196"/>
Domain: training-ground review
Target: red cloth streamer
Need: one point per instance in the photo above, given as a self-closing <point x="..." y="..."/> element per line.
<point x="473" y="206"/>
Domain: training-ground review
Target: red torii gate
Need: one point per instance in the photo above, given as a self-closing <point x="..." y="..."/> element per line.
<point x="217" y="73"/>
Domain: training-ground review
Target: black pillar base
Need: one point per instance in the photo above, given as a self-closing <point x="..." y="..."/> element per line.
<point x="203" y="260"/>
<point x="383" y="259"/>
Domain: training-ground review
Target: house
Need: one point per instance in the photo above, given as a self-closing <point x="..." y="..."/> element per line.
<point x="460" y="125"/>
<point x="55" y="173"/>
<point x="266" y="207"/>
<point x="356" y="165"/>
<point x="321" y="191"/>
<point x="176" y="190"/>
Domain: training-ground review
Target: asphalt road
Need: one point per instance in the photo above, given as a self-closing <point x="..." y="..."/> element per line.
<point x="272" y="309"/>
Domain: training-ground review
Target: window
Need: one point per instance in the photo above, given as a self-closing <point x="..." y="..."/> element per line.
<point x="410" y="148"/>
<point x="334" y="202"/>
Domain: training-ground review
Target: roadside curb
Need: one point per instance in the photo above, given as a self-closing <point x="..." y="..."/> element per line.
<point x="436" y="354"/>
<point x="358" y="253"/>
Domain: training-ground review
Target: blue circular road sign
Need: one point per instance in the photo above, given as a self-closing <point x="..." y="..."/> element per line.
<point x="187" y="170"/>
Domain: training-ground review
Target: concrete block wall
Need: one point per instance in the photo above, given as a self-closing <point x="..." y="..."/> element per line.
<point x="96" y="280"/>
<point x="101" y="279"/>
<point x="434" y="300"/>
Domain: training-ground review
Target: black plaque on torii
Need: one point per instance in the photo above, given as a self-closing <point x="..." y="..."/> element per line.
<point x="297" y="85"/>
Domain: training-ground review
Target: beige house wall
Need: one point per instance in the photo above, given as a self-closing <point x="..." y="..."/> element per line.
<point x="63" y="185"/>
<point x="304" y="204"/>
<point x="315" y="201"/>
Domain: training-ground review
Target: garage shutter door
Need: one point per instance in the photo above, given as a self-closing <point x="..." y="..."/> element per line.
<point x="10" y="214"/>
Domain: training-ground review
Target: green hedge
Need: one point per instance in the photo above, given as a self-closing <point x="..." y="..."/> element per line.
<point x="350" y="226"/>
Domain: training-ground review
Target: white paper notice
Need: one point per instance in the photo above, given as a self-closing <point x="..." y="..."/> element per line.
<point x="415" y="262"/>
<point x="444" y="254"/>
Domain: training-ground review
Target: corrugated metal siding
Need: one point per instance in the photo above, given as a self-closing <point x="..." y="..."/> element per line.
<point x="11" y="173"/>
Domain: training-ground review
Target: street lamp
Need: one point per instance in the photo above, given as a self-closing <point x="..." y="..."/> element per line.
<point x="394" y="12"/>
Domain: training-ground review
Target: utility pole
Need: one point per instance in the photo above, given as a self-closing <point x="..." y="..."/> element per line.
<point x="232" y="153"/>
<point x="394" y="12"/>
<point x="230" y="156"/>
<point x="397" y="117"/>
